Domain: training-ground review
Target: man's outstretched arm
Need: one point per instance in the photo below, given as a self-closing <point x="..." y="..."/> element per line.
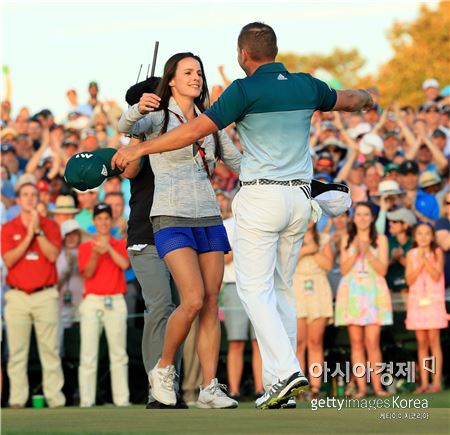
<point x="185" y="134"/>
<point x="352" y="100"/>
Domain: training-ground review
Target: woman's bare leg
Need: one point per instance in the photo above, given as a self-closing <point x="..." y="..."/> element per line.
<point x="184" y="266"/>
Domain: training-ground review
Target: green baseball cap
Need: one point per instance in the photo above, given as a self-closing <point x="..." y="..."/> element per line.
<point x="88" y="170"/>
<point x="391" y="167"/>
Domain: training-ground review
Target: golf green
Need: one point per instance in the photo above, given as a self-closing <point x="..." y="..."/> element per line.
<point x="435" y="419"/>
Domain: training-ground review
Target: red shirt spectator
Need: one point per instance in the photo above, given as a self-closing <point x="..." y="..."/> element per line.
<point x="33" y="270"/>
<point x="102" y="275"/>
<point x="108" y="278"/>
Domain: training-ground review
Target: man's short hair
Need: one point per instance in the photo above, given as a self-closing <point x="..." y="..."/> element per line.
<point x="259" y="40"/>
<point x="20" y="188"/>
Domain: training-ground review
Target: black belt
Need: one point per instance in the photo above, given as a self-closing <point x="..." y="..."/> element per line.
<point x="264" y="181"/>
<point x="39" y="289"/>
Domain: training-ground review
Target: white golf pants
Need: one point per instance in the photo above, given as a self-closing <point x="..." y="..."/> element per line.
<point x="271" y="221"/>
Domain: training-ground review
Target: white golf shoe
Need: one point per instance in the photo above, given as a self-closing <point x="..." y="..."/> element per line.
<point x="213" y="396"/>
<point x="162" y="383"/>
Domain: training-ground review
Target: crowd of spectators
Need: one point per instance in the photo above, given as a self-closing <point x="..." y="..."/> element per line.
<point x="394" y="159"/>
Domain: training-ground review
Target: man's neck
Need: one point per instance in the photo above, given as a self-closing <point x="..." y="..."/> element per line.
<point x="25" y="217"/>
<point x="103" y="236"/>
<point x="252" y="66"/>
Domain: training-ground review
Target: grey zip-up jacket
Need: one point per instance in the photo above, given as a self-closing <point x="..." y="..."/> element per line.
<point x="182" y="187"/>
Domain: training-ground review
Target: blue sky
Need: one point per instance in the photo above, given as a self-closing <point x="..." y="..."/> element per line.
<point x="56" y="45"/>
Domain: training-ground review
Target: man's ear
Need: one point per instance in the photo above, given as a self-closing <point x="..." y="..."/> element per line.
<point x="244" y="55"/>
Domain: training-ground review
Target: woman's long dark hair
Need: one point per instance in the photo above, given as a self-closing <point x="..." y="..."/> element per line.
<point x="164" y="92"/>
<point x="352" y="230"/>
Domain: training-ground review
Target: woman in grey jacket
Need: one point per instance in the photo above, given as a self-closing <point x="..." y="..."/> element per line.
<point x="189" y="234"/>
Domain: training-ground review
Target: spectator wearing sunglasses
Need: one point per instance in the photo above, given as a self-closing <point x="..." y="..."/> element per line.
<point x="400" y="223"/>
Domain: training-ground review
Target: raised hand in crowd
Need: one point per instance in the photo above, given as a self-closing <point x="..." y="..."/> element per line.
<point x="437" y="155"/>
<point x="226" y="81"/>
<point x="345" y="137"/>
<point x="383" y="118"/>
<point x="33" y="163"/>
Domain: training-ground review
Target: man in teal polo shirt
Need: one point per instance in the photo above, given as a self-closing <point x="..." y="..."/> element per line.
<point x="272" y="109"/>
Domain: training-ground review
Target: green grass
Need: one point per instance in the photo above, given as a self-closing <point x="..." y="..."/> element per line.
<point x="244" y="420"/>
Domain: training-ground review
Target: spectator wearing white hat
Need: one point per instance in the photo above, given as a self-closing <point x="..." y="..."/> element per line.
<point x="371" y="145"/>
<point x="388" y="198"/>
<point x="431" y="89"/>
<point x="359" y="130"/>
<point x="70" y="281"/>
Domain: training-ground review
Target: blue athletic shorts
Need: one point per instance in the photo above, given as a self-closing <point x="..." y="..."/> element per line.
<point x="202" y="239"/>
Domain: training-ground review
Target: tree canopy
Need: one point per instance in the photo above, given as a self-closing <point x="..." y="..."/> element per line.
<point x="420" y="51"/>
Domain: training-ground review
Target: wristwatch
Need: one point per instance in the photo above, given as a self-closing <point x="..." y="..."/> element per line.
<point x="39" y="233"/>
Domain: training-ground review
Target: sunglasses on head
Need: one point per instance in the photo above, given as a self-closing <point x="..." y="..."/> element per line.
<point x="395" y="222"/>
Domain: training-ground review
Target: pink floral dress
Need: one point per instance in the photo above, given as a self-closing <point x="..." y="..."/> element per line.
<point x="426" y="299"/>
<point x="363" y="297"/>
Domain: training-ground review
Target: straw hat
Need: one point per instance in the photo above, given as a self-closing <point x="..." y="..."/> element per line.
<point x="65" y="204"/>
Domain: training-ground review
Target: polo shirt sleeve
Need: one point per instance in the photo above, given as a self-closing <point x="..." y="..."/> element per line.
<point x="326" y="96"/>
<point x="230" y="107"/>
<point x="121" y="247"/>
<point x="7" y="239"/>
